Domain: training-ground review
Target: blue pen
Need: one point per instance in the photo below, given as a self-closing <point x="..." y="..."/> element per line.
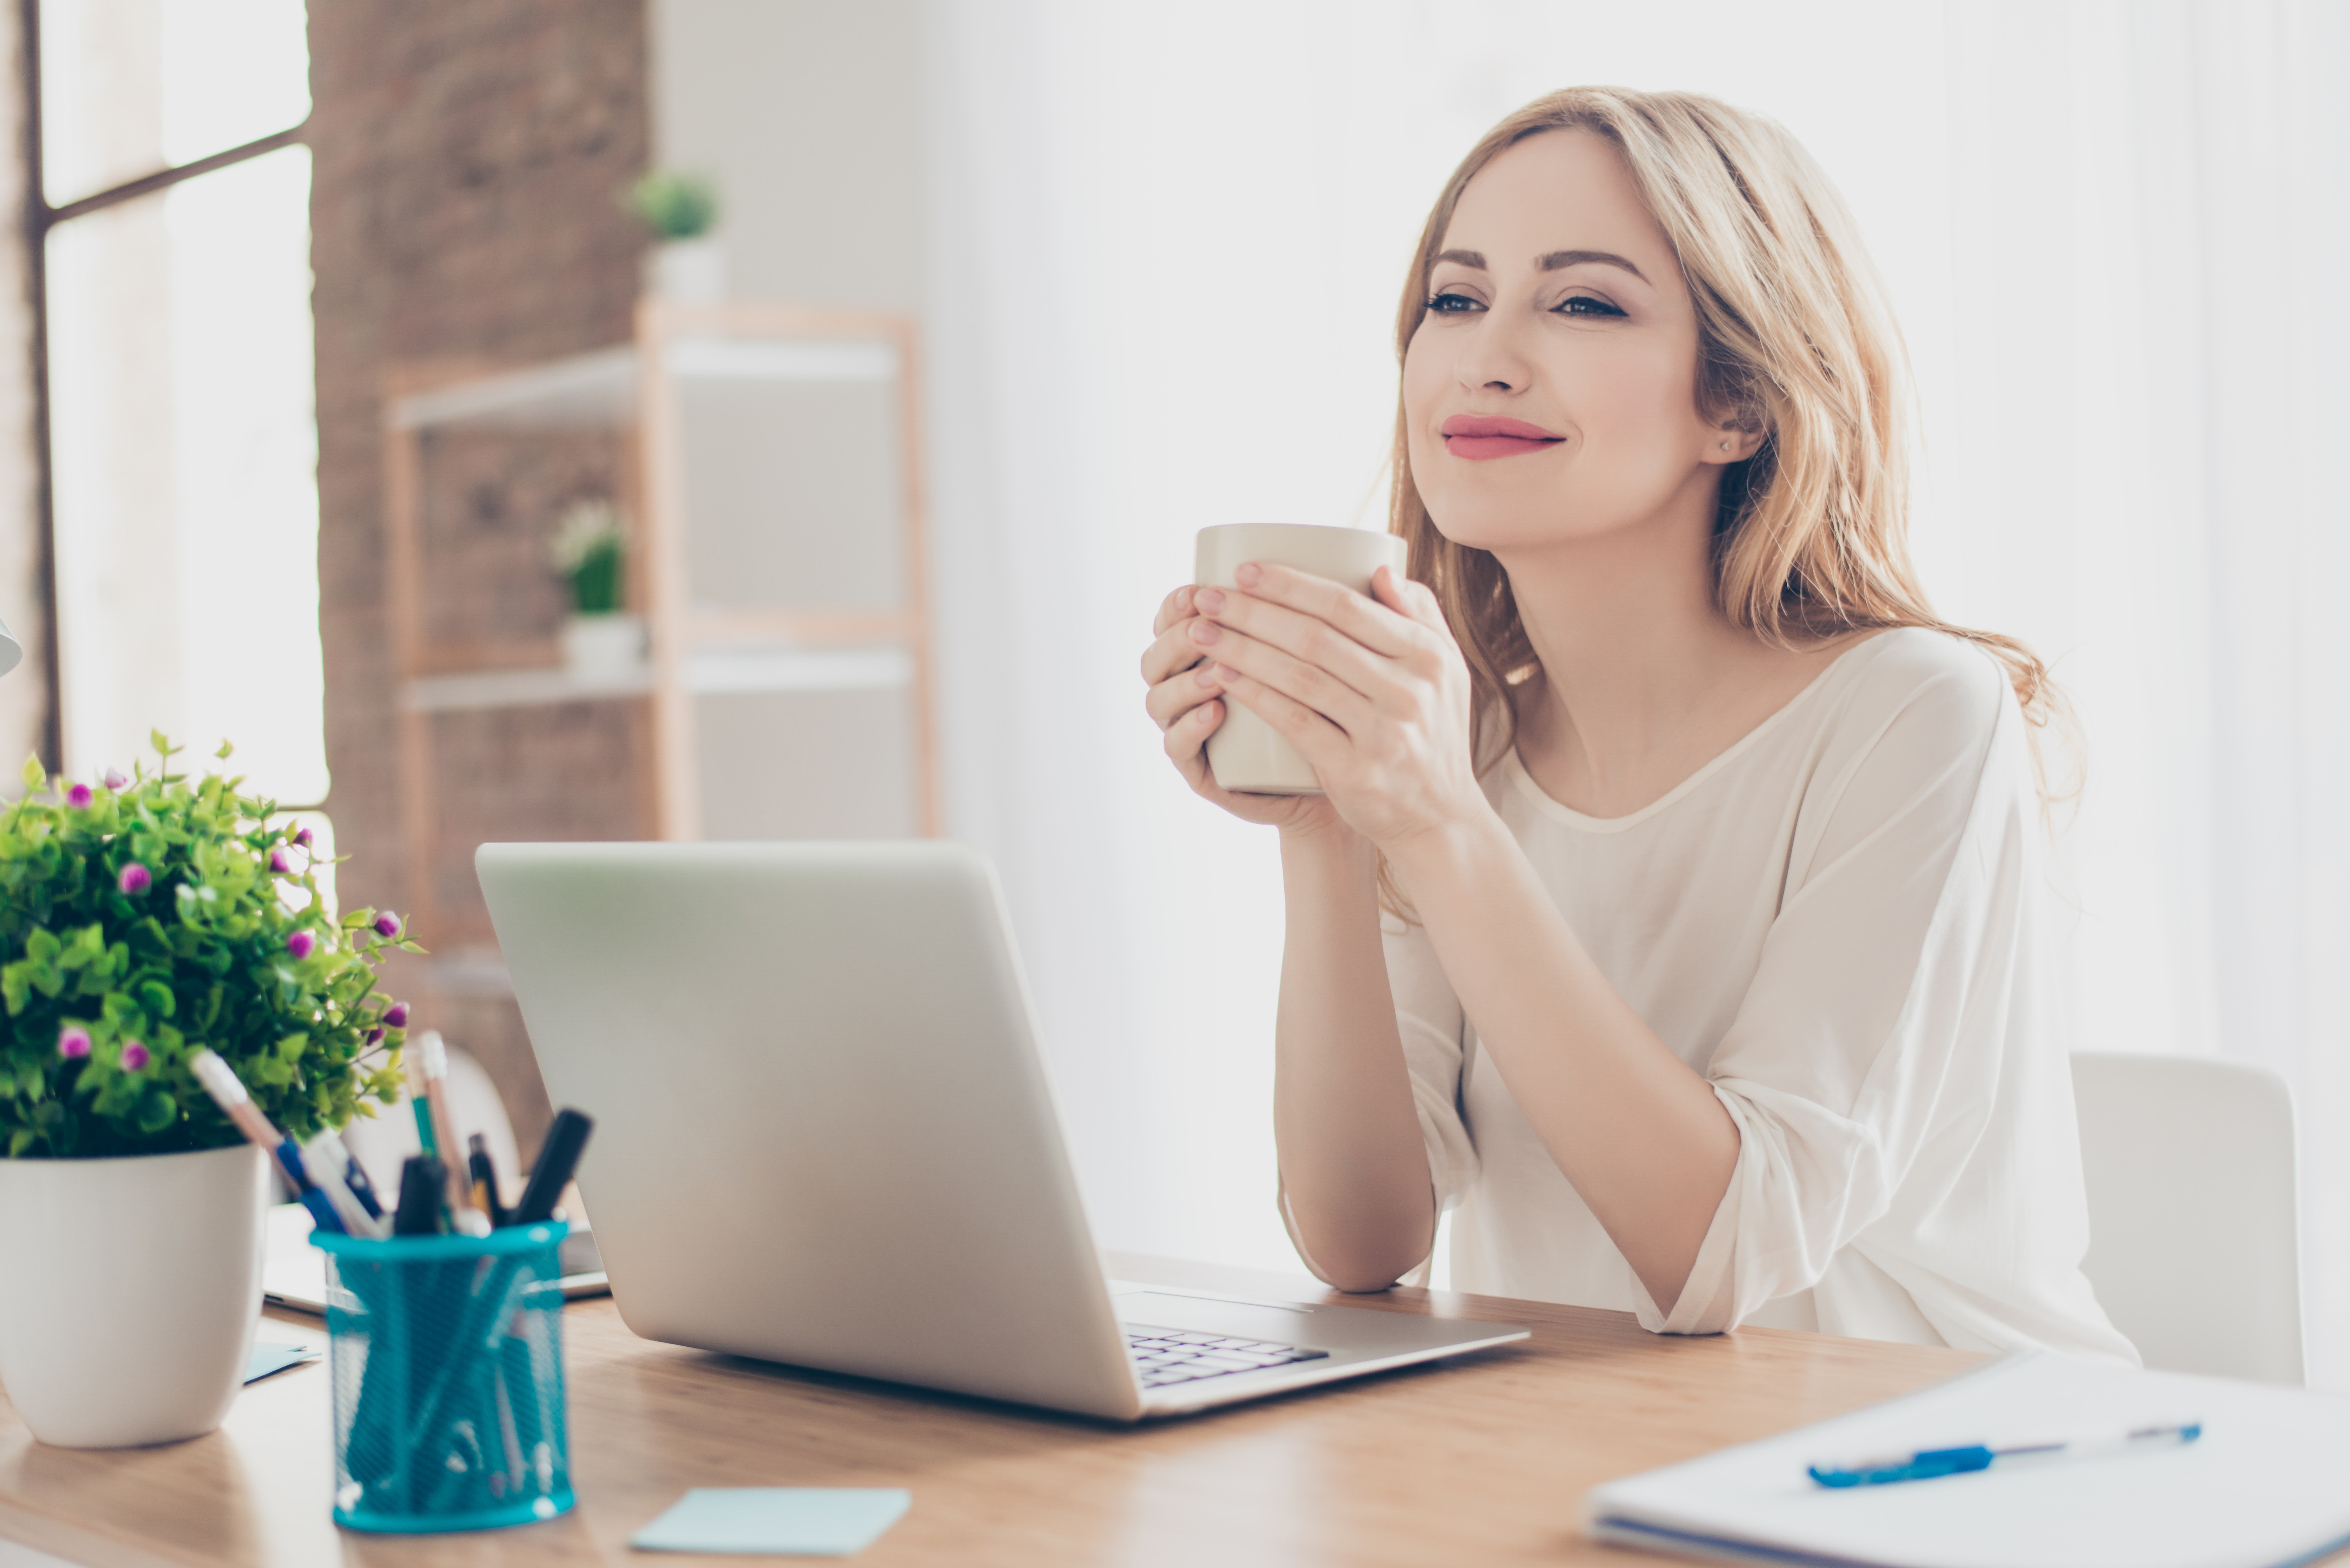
<point x="227" y="1090"/>
<point x="327" y="1156"/>
<point x="1931" y="1463"/>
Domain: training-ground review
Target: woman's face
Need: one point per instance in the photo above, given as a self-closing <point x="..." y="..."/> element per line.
<point x="1550" y="391"/>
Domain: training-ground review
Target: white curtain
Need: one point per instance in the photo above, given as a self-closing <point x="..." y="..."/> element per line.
<point x="1167" y="248"/>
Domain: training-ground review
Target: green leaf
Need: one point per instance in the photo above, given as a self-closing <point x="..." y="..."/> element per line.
<point x="156" y="1111"/>
<point x="37" y="779"/>
<point x="19" y="1141"/>
<point x="87" y="943"/>
<point x="224" y="752"/>
<point x="156" y="997"/>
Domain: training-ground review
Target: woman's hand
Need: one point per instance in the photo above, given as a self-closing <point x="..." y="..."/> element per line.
<point x="1373" y="692"/>
<point x="1186" y="703"/>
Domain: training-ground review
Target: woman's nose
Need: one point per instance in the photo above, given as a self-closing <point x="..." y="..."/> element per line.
<point x="1492" y="359"/>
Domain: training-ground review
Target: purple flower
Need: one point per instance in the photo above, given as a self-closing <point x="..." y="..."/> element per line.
<point x="387" y="924"/>
<point x="396" y="1015"/>
<point x="116" y="778"/>
<point x="79" y="796"/>
<point x="375" y="1037"/>
<point x="135" y="1056"/>
<point x="135" y="880"/>
<point x="279" y="863"/>
<point x="302" y="838"/>
<point x="73" y="1041"/>
<point x="301" y="944"/>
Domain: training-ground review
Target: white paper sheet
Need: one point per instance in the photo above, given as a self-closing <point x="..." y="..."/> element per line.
<point x="2267" y="1484"/>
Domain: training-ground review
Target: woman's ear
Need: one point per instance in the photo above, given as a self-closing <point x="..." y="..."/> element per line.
<point x="1731" y="443"/>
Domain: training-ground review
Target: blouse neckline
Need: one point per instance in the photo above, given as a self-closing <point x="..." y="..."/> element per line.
<point x="1543" y="802"/>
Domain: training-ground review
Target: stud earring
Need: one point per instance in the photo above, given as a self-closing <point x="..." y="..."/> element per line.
<point x="1725" y="446"/>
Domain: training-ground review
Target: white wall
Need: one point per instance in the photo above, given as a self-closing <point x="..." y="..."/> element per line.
<point x="810" y="118"/>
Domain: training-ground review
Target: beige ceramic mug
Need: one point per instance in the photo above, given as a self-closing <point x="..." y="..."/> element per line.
<point x="1247" y="755"/>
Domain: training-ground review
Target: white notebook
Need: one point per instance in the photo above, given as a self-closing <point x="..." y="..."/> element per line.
<point x="2267" y="1485"/>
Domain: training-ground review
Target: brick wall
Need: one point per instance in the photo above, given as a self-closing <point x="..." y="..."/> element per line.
<point x="468" y="158"/>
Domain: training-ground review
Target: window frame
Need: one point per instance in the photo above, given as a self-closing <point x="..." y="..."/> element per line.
<point x="36" y="222"/>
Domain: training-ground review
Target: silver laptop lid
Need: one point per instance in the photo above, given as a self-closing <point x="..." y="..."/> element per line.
<point x="823" y="1134"/>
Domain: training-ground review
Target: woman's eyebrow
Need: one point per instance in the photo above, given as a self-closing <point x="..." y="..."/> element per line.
<point x="1555" y="262"/>
<point x="1558" y="260"/>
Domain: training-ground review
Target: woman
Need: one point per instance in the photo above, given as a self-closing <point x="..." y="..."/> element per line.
<point x="1672" y="910"/>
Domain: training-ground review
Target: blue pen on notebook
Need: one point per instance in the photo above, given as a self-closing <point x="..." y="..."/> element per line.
<point x="1931" y="1463"/>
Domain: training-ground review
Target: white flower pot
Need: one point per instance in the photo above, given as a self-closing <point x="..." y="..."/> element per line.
<point x="129" y="1292"/>
<point x="688" y="272"/>
<point x="604" y="648"/>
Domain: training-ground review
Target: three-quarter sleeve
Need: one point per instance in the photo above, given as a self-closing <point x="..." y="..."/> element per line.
<point x="1429" y="1018"/>
<point x="1865" y="1062"/>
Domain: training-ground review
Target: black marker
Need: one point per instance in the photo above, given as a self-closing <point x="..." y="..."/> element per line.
<point x="558" y="1156"/>
<point x="422" y="1183"/>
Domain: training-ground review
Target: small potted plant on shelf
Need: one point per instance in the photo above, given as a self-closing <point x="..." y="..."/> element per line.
<point x="688" y="265"/>
<point x="142" y="921"/>
<point x="601" y="646"/>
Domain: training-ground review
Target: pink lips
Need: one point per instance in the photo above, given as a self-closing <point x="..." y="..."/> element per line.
<point x="1482" y="437"/>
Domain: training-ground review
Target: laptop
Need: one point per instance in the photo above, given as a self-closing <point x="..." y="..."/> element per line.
<point x="824" y="1134"/>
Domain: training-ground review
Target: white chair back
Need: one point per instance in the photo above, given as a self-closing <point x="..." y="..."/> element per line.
<point x="2194" y="1211"/>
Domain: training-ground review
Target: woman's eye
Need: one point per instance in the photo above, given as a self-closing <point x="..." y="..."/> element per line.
<point x="1450" y="303"/>
<point x="1583" y="304"/>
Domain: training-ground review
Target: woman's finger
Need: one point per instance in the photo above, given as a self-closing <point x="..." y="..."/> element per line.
<point x="1170" y="651"/>
<point x="1175" y="606"/>
<point x="1318" y="741"/>
<point x="1186" y="739"/>
<point x="1414" y="601"/>
<point x="1309" y="685"/>
<point x="1378" y="626"/>
<point x="1304" y="637"/>
<point x="1181" y="693"/>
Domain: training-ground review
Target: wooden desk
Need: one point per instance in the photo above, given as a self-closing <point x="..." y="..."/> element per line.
<point x="1484" y="1460"/>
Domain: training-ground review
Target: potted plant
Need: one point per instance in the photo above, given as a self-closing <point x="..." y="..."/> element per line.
<point x="688" y="263"/>
<point x="142" y="919"/>
<point x="601" y="645"/>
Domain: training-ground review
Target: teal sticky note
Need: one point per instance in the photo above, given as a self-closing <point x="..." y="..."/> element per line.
<point x="268" y="1358"/>
<point x="787" y="1521"/>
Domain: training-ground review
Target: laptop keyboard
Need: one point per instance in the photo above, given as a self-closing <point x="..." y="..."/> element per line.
<point x="1164" y="1355"/>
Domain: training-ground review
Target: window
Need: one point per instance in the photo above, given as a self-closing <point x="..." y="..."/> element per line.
<point x="175" y="285"/>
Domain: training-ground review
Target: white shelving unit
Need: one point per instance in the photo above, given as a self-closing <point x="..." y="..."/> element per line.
<point x="715" y="638"/>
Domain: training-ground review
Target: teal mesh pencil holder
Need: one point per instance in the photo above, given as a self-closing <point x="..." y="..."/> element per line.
<point x="447" y="1354"/>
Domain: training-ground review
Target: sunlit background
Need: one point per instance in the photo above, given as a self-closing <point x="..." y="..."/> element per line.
<point x="183" y="429"/>
<point x="1155" y="254"/>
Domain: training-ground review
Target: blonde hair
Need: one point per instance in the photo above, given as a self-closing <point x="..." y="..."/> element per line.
<point x="1795" y="340"/>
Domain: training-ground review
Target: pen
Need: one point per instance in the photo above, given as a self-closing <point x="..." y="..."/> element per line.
<point x="418" y="1101"/>
<point x="329" y="1154"/>
<point x="1931" y="1463"/>
<point x="228" y="1092"/>
<point x="485" y="1178"/>
<point x="432" y="1061"/>
<point x="558" y="1156"/>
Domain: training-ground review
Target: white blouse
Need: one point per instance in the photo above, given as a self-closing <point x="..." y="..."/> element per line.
<point x="1838" y="922"/>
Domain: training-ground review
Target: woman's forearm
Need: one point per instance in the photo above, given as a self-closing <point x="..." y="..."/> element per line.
<point x="1352" y="1165"/>
<point x="1639" y="1135"/>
